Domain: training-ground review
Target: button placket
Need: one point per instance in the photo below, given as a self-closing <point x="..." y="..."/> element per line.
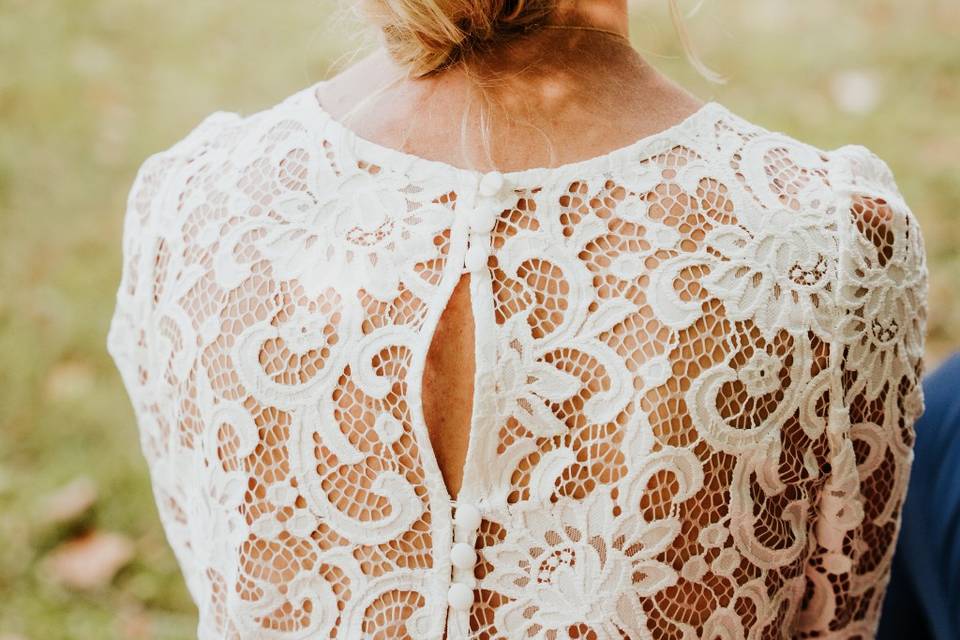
<point x="463" y="556"/>
<point x="481" y="204"/>
<point x="482" y="220"/>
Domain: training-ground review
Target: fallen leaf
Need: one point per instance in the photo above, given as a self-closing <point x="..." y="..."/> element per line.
<point x="69" y="380"/>
<point x="70" y="502"/>
<point x="89" y="562"/>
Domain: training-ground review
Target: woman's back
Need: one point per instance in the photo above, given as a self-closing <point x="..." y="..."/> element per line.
<point x="585" y="97"/>
<point x="689" y="381"/>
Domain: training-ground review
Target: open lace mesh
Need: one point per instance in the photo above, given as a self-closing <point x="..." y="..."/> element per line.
<point x="702" y="389"/>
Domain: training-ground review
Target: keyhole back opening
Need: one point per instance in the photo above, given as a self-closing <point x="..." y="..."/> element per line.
<point x="448" y="385"/>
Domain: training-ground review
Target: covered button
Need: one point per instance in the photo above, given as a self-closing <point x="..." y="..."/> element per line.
<point x="460" y="596"/>
<point x="467" y="516"/>
<point x="463" y="555"/>
<point x="476" y="257"/>
<point x="491" y="183"/>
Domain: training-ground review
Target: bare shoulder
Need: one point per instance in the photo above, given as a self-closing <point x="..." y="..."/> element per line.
<point x="344" y="90"/>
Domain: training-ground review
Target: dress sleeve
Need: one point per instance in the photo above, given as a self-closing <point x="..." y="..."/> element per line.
<point x="136" y="329"/>
<point x="127" y="337"/>
<point x="875" y="398"/>
<point x="145" y="245"/>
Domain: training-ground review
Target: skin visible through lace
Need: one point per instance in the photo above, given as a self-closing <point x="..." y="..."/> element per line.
<point x="448" y="385"/>
<point x="746" y="369"/>
<point x="656" y="331"/>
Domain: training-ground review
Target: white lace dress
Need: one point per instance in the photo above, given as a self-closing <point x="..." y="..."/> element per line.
<point x="697" y="364"/>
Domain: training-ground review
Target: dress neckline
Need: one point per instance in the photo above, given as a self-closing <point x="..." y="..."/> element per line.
<point x="390" y="157"/>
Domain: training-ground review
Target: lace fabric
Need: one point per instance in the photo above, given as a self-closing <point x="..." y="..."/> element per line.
<point x="697" y="375"/>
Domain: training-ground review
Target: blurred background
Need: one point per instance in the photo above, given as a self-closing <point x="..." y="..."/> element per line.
<point x="90" y="88"/>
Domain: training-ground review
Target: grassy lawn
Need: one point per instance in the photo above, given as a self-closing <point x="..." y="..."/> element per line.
<point x="89" y="88"/>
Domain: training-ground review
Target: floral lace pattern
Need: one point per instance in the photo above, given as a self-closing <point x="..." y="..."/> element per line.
<point x="698" y="363"/>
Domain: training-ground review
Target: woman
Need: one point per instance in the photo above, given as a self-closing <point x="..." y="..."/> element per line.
<point x="394" y="383"/>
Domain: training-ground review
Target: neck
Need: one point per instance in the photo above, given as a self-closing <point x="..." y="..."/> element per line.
<point x="610" y="15"/>
<point x="541" y="51"/>
<point x="554" y="54"/>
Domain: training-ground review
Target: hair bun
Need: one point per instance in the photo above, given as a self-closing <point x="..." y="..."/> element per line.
<point x="427" y="35"/>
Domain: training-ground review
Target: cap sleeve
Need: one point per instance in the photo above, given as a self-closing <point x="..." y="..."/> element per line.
<point x="148" y="239"/>
<point x="877" y="359"/>
<point x="144" y="250"/>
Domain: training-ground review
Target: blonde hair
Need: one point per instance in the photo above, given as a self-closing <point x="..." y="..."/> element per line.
<point x="426" y="36"/>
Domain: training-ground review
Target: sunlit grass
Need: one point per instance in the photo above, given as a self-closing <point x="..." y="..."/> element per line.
<point x="89" y="88"/>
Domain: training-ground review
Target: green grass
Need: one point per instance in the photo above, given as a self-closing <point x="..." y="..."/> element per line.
<point x="89" y="88"/>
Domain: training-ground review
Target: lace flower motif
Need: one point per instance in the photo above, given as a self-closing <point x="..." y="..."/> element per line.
<point x="777" y="276"/>
<point x="576" y="563"/>
<point x="361" y="235"/>
<point x="888" y="305"/>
